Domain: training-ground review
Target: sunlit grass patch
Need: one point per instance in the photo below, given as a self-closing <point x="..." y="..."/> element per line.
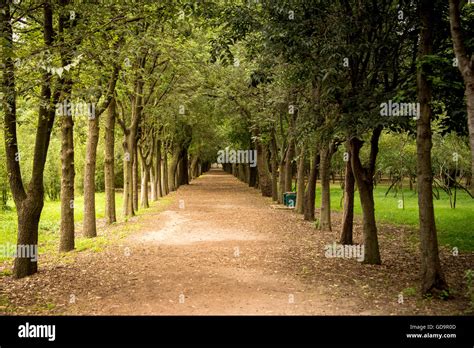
<point x="455" y="227"/>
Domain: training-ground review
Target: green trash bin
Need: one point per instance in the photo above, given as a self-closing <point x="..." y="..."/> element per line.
<point x="289" y="199"/>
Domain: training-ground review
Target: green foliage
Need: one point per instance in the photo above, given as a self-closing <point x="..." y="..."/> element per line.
<point x="246" y="73"/>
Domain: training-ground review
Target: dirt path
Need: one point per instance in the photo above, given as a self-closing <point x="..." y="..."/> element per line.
<point x="220" y="248"/>
<point x="212" y="252"/>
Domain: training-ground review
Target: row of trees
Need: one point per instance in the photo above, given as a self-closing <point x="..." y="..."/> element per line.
<point x="130" y="70"/>
<point x="322" y="70"/>
<point x="172" y="82"/>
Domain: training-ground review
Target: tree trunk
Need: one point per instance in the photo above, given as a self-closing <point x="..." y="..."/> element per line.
<point x="274" y="166"/>
<point x="193" y="170"/>
<point x="253" y="176"/>
<point x="365" y="182"/>
<point x="177" y="174"/>
<point x="28" y="221"/>
<point x="466" y="67"/>
<point x="325" y="168"/>
<point x="301" y="183"/>
<point x="173" y="168"/>
<point x="152" y="173"/>
<point x="289" y="166"/>
<point x="109" y="164"/>
<point x="127" y="177"/>
<point x="310" y="194"/>
<point x="264" y="180"/>
<point x="135" y="176"/>
<point x="29" y="204"/>
<point x="89" y="228"/>
<point x="348" y="213"/>
<point x="245" y="169"/>
<point x="183" y="168"/>
<point x="372" y="253"/>
<point x="158" y="169"/>
<point x="432" y="278"/>
<point x="145" y="178"/>
<point x="166" y="188"/>
<point x="66" y="240"/>
<point x="197" y="170"/>
<point x="470" y="119"/>
<point x="243" y="172"/>
<point x="281" y="181"/>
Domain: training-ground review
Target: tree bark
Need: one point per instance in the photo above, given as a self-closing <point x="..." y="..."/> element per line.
<point x="310" y="194"/>
<point x="177" y="178"/>
<point x="66" y="239"/>
<point x="109" y="164"/>
<point x="348" y="213"/>
<point x="152" y="173"/>
<point x="466" y="67"/>
<point x="155" y="172"/>
<point x="281" y="180"/>
<point x="183" y="168"/>
<point x="193" y="169"/>
<point x="274" y="167"/>
<point x="127" y="176"/>
<point x="28" y="222"/>
<point x="264" y="180"/>
<point x="289" y="167"/>
<point x="432" y="277"/>
<point x="172" y="169"/>
<point x="166" y="188"/>
<point x="253" y="174"/>
<point x="158" y="169"/>
<point x="301" y="184"/>
<point x="365" y="182"/>
<point x="145" y="178"/>
<point x="89" y="229"/>
<point x="325" y="168"/>
<point x="243" y="172"/>
<point x="135" y="176"/>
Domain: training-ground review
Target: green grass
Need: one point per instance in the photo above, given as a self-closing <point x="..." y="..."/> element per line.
<point x="409" y="292"/>
<point x="455" y="226"/>
<point x="48" y="237"/>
